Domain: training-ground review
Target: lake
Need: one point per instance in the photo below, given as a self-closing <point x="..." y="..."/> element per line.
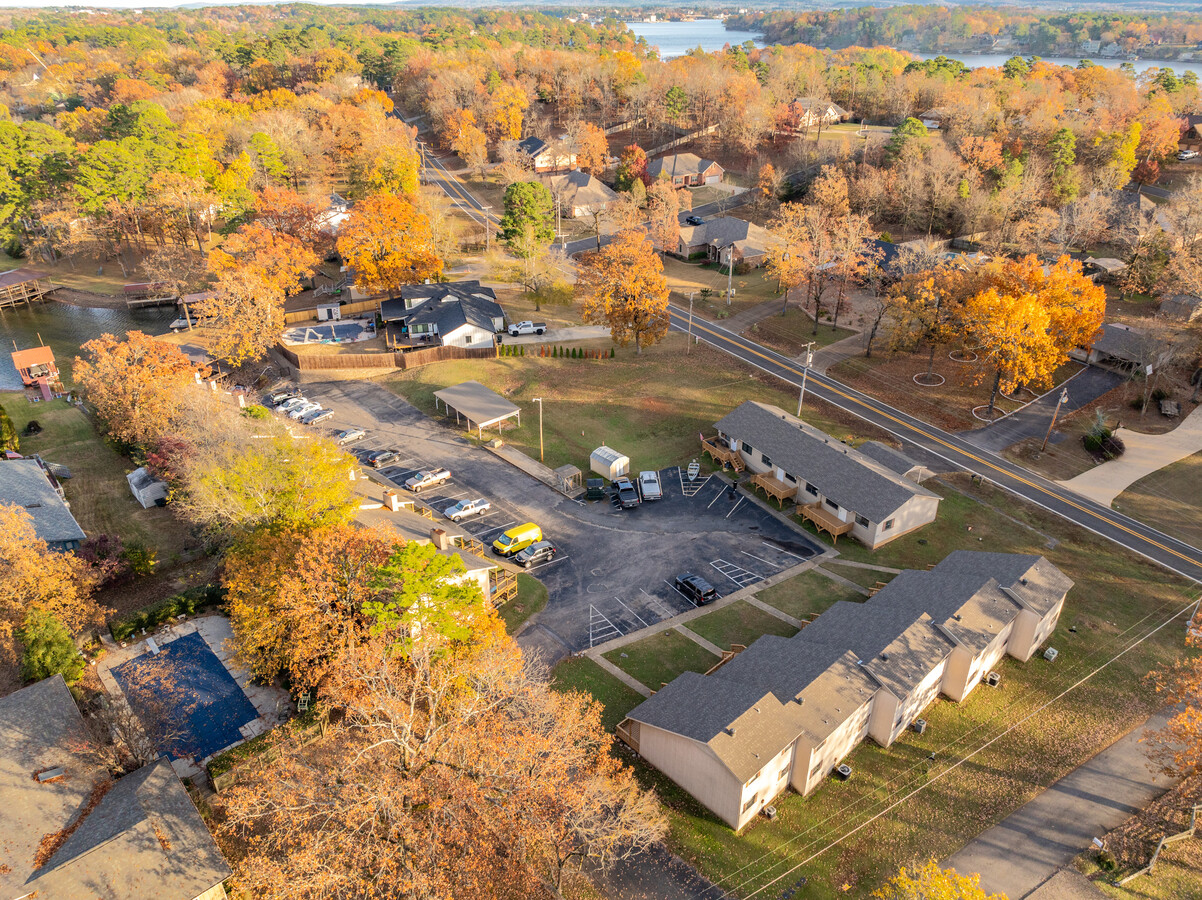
<point x="64" y="328"/>
<point x="678" y="38"/>
<point x="999" y="59"/>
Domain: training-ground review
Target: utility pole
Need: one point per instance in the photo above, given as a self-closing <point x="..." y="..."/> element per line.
<point x="688" y="350"/>
<point x="805" y="371"/>
<point x="1063" y="400"/>
<point x="730" y="269"/>
<point x="487" y="229"/>
<point x="539" y="401"/>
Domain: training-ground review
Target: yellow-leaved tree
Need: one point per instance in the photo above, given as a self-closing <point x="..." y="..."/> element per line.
<point x="929" y="882"/>
<point x="389" y="243"/>
<point x="623" y="286"/>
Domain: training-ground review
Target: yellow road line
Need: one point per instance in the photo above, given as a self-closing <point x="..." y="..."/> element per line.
<point x="984" y="462"/>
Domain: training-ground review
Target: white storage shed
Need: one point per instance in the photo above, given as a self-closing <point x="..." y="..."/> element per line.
<point x="329" y="312"/>
<point x="609" y="463"/>
<point x="146" y="489"/>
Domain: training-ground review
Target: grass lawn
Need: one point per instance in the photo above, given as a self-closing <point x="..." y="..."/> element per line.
<point x="658" y="659"/>
<point x="1178" y="874"/>
<point x="98" y="492"/>
<point x="1118" y="599"/>
<point x="1169" y="499"/>
<point x="789" y="334"/>
<point x="807" y="594"/>
<point x="580" y="673"/>
<point x="650" y="407"/>
<point x="694" y="277"/>
<point x="531" y="598"/>
<point x="866" y="578"/>
<point x="739" y="623"/>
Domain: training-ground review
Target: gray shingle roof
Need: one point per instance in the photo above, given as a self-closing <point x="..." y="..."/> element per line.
<point x="678" y="165"/>
<point x="893" y="460"/>
<point x="580" y="189"/>
<point x="848" y="477"/>
<point x="24" y="484"/>
<point x="448" y="306"/>
<point x="1119" y="341"/>
<point x="720" y="233"/>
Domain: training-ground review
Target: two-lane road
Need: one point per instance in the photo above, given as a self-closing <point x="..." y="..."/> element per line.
<point x="1167" y="551"/>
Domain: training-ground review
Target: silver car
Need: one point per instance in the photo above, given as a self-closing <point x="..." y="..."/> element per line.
<point x="303" y="410"/>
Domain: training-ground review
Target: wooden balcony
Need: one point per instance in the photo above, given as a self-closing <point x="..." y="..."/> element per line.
<point x="826" y="521"/>
<point x="627" y="732"/>
<point x="778" y="490"/>
<point x="722" y="454"/>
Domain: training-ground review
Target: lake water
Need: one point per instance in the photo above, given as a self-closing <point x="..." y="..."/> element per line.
<point x="999" y="59"/>
<point x="678" y="38"/>
<point x="64" y="328"/>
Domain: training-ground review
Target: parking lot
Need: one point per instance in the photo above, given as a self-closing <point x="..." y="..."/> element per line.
<point x="615" y="567"/>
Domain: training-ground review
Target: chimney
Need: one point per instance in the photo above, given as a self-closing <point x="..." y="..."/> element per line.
<point x="440" y="539"/>
<point x="392" y="500"/>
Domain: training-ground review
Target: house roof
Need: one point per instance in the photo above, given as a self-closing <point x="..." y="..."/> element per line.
<point x="893" y="460"/>
<point x="447" y="306"/>
<point x="15" y="277"/>
<point x="144" y="838"/>
<point x="678" y="165"/>
<point x="479" y="404"/>
<point x="532" y="146"/>
<point x="34" y="356"/>
<point x="805" y="104"/>
<point x="580" y="189"/>
<point x="24" y="483"/>
<point x="1186" y="307"/>
<point x="722" y="232"/>
<point x="1119" y="341"/>
<point x="848" y="477"/>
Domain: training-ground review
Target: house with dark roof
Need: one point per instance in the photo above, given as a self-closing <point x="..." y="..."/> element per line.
<point x="71" y="831"/>
<point x="727" y="236"/>
<point x="809" y="112"/>
<point x="580" y="194"/>
<point x="1119" y="346"/>
<point x="25" y="483"/>
<point x="785" y="712"/>
<point x="547" y="157"/>
<point x="686" y="170"/>
<point x="873" y="495"/>
<point x="458" y="314"/>
<point x="1181" y="308"/>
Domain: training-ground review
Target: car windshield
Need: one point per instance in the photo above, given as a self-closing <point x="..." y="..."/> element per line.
<point x="504" y="540"/>
<point x="460" y="505"/>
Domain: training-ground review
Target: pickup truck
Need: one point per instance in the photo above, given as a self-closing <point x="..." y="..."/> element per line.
<point x="427" y="478"/>
<point x="520" y="328"/>
<point x="465" y="508"/>
<point x="628" y="497"/>
<point x="649" y="485"/>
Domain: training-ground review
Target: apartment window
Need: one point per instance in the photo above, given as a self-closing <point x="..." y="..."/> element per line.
<point x="783" y="774"/>
<point x="744" y="446"/>
<point x="831" y="503"/>
<point x="789" y="478"/>
<point x="750" y="803"/>
<point x="765" y="458"/>
<point x="860" y="520"/>
<point x="810" y="489"/>
<point x="889" y="524"/>
<point x="817" y="768"/>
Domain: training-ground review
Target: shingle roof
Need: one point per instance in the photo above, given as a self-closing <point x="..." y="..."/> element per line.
<point x="532" y="146"/>
<point x="848" y="477"/>
<point x="449" y="306"/>
<point x="720" y="233"/>
<point x="1119" y="341"/>
<point x="24" y="484"/>
<point x="14" y="277"/>
<point x="677" y="165"/>
<point x="580" y="189"/>
<point x="893" y="460"/>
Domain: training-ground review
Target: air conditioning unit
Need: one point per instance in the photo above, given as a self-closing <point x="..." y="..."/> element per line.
<point x="843" y="772"/>
<point x="919" y="725"/>
<point x="769" y="812"/>
<point x="993" y="679"/>
<point x="1050" y="654"/>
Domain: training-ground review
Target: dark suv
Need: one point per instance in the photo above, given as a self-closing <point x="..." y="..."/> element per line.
<point x="380" y="457"/>
<point x="694" y="220"/>
<point x="543" y="551"/>
<point x="628" y="494"/>
<point x="696" y="589"/>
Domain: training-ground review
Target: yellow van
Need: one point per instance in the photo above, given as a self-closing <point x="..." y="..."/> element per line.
<point x="517" y="539"/>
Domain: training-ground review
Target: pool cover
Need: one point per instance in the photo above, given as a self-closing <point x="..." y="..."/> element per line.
<point x="187" y="686"/>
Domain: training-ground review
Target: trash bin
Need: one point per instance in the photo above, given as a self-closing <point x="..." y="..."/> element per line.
<point x="595" y="489"/>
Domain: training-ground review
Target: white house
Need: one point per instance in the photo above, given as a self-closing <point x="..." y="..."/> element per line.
<point x="460" y="314"/>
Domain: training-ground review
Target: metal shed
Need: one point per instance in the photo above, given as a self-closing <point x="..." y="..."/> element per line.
<point x="329" y="312"/>
<point x="609" y="463"/>
<point x="481" y="407"/>
<point x="146" y="489"/>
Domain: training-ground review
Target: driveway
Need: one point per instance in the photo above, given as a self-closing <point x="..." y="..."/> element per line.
<point x="614" y="570"/>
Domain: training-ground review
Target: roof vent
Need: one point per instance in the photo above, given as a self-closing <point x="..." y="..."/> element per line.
<point x="1022" y="581"/>
<point x="859" y="662"/>
<point x="957" y="617"/>
<point x="731" y="731"/>
<point x="884" y="657"/>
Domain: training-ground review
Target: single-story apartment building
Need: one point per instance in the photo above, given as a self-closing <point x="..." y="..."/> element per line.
<point x="458" y="314"/>
<point x="686" y="170"/>
<point x="751" y="243"/>
<point x="786" y="711"/>
<point x="27" y="484"/>
<point x="580" y="194"/>
<point x="873" y="495"/>
<point x="547" y="157"/>
<point x="142" y="837"/>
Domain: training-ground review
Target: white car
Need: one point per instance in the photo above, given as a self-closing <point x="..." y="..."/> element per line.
<point x="649" y="486"/>
<point x="350" y="435"/>
<point x="1188" y="154"/>
<point x="303" y="410"/>
<point x="465" y="508"/>
<point x="288" y="405"/>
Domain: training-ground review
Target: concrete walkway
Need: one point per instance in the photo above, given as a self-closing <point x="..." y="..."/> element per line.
<point x="832" y="354"/>
<point x="1025" y="850"/>
<point x="1146" y="453"/>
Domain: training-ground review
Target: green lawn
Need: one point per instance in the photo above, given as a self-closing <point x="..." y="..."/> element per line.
<point x="866" y="578"/>
<point x="739" y="623"/>
<point x="98" y="492"/>
<point x="656" y="660"/>
<point x="1169" y="499"/>
<point x="531" y="598"/>
<point x="650" y="407"/>
<point x="707" y="283"/>
<point x="807" y="594"/>
<point x="789" y="334"/>
<point x="582" y="674"/>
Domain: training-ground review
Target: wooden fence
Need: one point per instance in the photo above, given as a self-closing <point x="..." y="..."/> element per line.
<point x="1167" y="839"/>
<point x="371" y="304"/>
<point x="396" y="359"/>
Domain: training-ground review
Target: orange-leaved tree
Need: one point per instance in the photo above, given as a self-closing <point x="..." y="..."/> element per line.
<point x="663" y="211"/>
<point x="1178" y="746"/>
<point x="592" y="148"/>
<point x="389" y="243"/>
<point x="134" y="385"/>
<point x="284" y="211"/>
<point x="275" y="257"/>
<point x="247" y="313"/>
<point x="623" y="285"/>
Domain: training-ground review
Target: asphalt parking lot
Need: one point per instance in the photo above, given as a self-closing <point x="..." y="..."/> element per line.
<point x="615" y="567"/>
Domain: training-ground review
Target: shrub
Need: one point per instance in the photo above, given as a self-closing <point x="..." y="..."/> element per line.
<point x="48" y="649"/>
<point x="1106" y="862"/>
<point x="522" y="350"/>
<point x="1101" y="441"/>
<point x="256" y="412"/>
<point x="183" y="604"/>
<point x="140" y="558"/>
<point x="8" y="433"/>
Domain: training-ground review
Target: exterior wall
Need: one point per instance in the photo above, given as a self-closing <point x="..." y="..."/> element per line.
<point x="216" y="892"/>
<point x="695" y="768"/>
<point x="767" y="784"/>
<point x="914" y="513"/>
<point x="920" y="698"/>
<point x="1030" y="631"/>
<point x="884" y="714"/>
<point x="468" y="336"/>
<point x="837" y="745"/>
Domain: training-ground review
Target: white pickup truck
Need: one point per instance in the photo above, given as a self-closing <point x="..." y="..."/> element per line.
<point x="427" y="478"/>
<point x="519" y="328"/>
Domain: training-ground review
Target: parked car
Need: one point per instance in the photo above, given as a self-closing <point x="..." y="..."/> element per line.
<point x="427" y="478"/>
<point x="277" y="397"/>
<point x="628" y="497"/>
<point x="649" y="486"/>
<point x="350" y="435"/>
<point x="540" y="552"/>
<point x="316" y="416"/>
<point x="465" y="508"/>
<point x="696" y="588"/>
<point x="380" y="457"/>
<point x="519" y="328"/>
<point x="1188" y="154"/>
<point x="694" y="220"/>
<point x="303" y="409"/>
<point x="517" y="539"/>
<point x="290" y="404"/>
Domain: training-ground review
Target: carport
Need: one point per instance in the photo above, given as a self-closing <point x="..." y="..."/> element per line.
<point x="477" y="404"/>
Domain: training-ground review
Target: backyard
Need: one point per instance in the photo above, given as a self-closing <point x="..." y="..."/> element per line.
<point x="738" y="623"/>
<point x="707" y="283"/>
<point x="807" y="594"/>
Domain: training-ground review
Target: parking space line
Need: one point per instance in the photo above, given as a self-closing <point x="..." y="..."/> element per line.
<point x="733" y="508"/>
<point x="782" y="550"/>
<point x="663" y="610"/>
<point x="764" y="561"/>
<point x="679" y="591"/>
<point x="715" y="500"/>
<point x="497" y="528"/>
<point x="549" y="562"/>
<point x="595" y="632"/>
<point x="631" y="611"/>
<point x="742" y="577"/>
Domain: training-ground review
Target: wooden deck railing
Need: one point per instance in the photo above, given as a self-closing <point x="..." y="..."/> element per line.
<point x="778" y="490"/>
<point x="824" y="521"/>
<point x="719" y="452"/>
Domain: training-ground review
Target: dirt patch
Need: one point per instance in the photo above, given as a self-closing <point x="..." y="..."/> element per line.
<point x="1133" y="843"/>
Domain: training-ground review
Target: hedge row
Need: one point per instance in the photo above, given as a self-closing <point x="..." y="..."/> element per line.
<point x="184" y="604"/>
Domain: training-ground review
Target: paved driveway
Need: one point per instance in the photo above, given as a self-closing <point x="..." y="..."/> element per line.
<point x="615" y="567"/>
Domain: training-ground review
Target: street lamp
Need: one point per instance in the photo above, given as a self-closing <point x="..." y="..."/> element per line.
<point x="804" y="372"/>
<point x="1063" y="400"/>
<point x="539" y="401"/>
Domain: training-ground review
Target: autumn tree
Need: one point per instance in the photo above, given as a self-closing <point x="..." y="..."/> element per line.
<point x="389" y="243"/>
<point x="767" y="187"/>
<point x="632" y="167"/>
<point x="592" y="149"/>
<point x="274" y="258"/>
<point x="507" y="106"/>
<point x="663" y="214"/>
<point x="471" y="143"/>
<point x="927" y="308"/>
<point x="179" y="269"/>
<point x="1177" y="748"/>
<point x="623" y="286"/>
<point x="284" y="211"/>
<point x="246" y="313"/>
<point x="930" y="882"/>
<point x="134" y="384"/>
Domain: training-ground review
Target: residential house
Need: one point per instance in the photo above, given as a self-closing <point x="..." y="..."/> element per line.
<point x="547" y="157"/>
<point x="1191" y="134"/>
<point x="1181" y="308"/>
<point x="1118" y="346"/>
<point x="786" y="711"/>
<point x="1090" y="47"/>
<point x="458" y="314"/>
<point x="933" y="118"/>
<point x="26" y="483"/>
<point x="580" y="194"/>
<point x="805" y="113"/>
<point x="873" y="496"/>
<point x="70" y="831"/>
<point x="686" y="170"/>
<point x="713" y="238"/>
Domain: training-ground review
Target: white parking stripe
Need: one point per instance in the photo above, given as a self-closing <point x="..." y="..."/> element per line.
<point x="497" y="528"/>
<point x="549" y="562"/>
<point x="786" y="552"/>
<point x="764" y="561"/>
<point x="715" y="500"/>
<point x="631" y="611"/>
